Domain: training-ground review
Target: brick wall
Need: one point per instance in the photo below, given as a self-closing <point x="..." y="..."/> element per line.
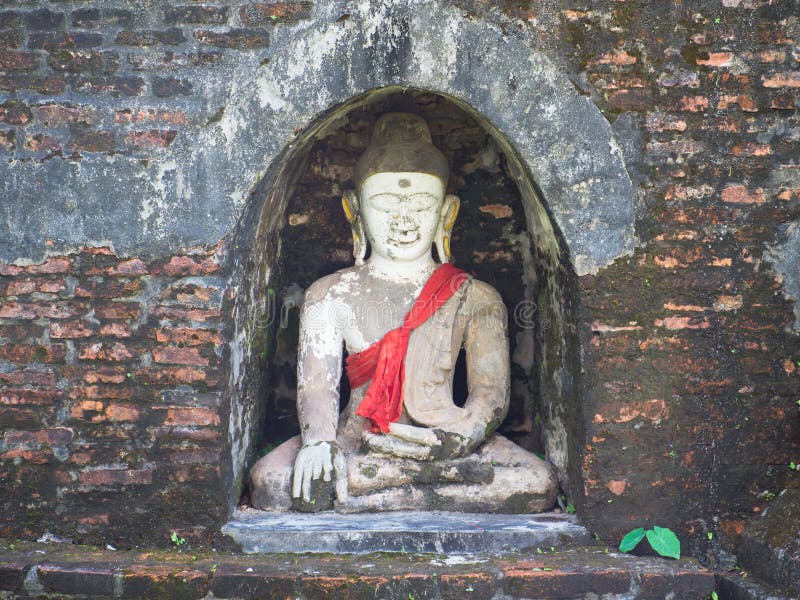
<point x="113" y="379"/>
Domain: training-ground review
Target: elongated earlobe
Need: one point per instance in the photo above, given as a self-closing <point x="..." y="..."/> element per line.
<point x="445" y="228"/>
<point x="350" y="206"/>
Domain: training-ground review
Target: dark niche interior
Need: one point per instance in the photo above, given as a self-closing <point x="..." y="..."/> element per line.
<point x="491" y="241"/>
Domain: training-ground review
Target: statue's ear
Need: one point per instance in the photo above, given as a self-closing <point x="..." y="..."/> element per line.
<point x="350" y="206"/>
<point x="445" y="229"/>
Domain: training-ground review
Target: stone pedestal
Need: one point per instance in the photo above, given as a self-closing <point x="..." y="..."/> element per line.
<point x="436" y="532"/>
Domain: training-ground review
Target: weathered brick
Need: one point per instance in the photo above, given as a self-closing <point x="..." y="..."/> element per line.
<point x="238" y="39"/>
<point x="110" y="351"/>
<point x="114" y="86"/>
<point x="77" y="578"/>
<point x="264" y="13"/>
<point x="11" y="19"/>
<point x="118" y="330"/>
<point x="693" y="103"/>
<point x="781" y="80"/>
<point x="122" y="412"/>
<point x="93" y="141"/>
<point x="14" y="60"/>
<point x="61" y="40"/>
<point x="7" y="140"/>
<point x="183" y="266"/>
<point x="23" y="353"/>
<point x="738" y="194"/>
<point x="171" y="375"/>
<point x="61" y="309"/>
<point x="188" y="336"/>
<point x="58" y="436"/>
<point x="14" y="112"/>
<point x="150" y="37"/>
<point x="166" y="87"/>
<point x="115" y="476"/>
<point x="179" y="356"/>
<point x="200" y="417"/>
<point x="154" y="138"/>
<point x="39" y="142"/>
<point x="116" y="310"/>
<point x="30" y="376"/>
<point x="161" y="60"/>
<point x="106" y="289"/>
<point x="93" y="18"/>
<point x="44" y="20"/>
<point x="49" y="85"/>
<point x="53" y="115"/>
<point x="210" y="15"/>
<point x="11" y="39"/>
<point x="72" y="329"/>
<point x="84" y="61"/>
<point x="175" y="313"/>
<point x="100" y="392"/>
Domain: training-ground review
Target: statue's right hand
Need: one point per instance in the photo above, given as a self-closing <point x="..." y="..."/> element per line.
<point x="324" y="459"/>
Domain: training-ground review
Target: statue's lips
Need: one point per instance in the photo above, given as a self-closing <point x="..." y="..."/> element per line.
<point x="408" y="240"/>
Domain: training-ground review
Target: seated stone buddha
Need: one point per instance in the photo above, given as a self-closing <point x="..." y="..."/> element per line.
<point x="401" y="443"/>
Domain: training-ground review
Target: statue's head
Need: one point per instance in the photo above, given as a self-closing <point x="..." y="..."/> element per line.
<point x="401" y="203"/>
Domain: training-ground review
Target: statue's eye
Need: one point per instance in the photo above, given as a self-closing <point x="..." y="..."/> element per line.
<point x="421" y="202"/>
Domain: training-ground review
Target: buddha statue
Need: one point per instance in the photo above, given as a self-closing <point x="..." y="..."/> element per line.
<point x="401" y="443"/>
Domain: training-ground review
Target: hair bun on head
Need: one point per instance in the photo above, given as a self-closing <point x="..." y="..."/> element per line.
<point x="401" y="143"/>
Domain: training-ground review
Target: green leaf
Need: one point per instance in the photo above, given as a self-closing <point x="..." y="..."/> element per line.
<point x="631" y="540"/>
<point x="664" y="541"/>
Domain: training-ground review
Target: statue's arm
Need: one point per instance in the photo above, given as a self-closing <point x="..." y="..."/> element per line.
<point x="319" y="367"/>
<point x="486" y="348"/>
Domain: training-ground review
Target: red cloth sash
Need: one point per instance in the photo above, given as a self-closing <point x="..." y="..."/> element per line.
<point x="384" y="361"/>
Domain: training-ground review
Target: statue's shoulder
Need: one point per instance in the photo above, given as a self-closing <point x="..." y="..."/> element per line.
<point x="335" y="285"/>
<point x="483" y="301"/>
<point x="480" y="291"/>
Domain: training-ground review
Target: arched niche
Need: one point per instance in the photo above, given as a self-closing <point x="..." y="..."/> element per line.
<point x="559" y="149"/>
<point x="504" y="236"/>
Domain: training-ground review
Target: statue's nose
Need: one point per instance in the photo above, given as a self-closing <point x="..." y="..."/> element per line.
<point x="404" y="224"/>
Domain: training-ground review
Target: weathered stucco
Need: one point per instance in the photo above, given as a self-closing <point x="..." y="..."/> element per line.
<point x="196" y="189"/>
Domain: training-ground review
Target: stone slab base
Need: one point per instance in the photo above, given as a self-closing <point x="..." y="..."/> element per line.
<point x="69" y="572"/>
<point x="437" y="532"/>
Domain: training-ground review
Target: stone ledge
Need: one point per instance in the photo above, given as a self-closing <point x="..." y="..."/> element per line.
<point x="67" y="571"/>
<point x="440" y="532"/>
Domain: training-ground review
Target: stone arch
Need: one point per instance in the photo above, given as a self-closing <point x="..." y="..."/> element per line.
<point x="556" y="138"/>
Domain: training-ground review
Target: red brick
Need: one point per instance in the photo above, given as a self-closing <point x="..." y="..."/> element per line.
<point x="21" y="287"/>
<point x="42" y="143"/>
<point x="50" y="85"/>
<point x="62" y="309"/>
<point x="122" y="412"/>
<point x="173" y="117"/>
<point x="663" y="122"/>
<point x="751" y="149"/>
<point x="114" y="86"/>
<point x="188" y="336"/>
<point x="106" y="289"/>
<point x="715" y="59"/>
<point x="174" y="313"/>
<point x="614" y="57"/>
<point x="11" y="60"/>
<point x="133" y="266"/>
<point x="29" y="377"/>
<point x="682" y="323"/>
<point x="29" y="397"/>
<point x="115" y="351"/>
<point x="100" y="392"/>
<point x="693" y="103"/>
<point x="179" y="356"/>
<point x="118" y="330"/>
<point x="59" y="436"/>
<point x="72" y="329"/>
<point x="53" y="115"/>
<point x="238" y="39"/>
<point x="738" y="194"/>
<point x="782" y="80"/>
<point x="151" y="37"/>
<point x="112" y="476"/>
<point x="51" y="266"/>
<point x="183" y="266"/>
<point x="61" y="40"/>
<point x="92" y="141"/>
<point x="171" y="375"/>
<point x="266" y="13"/>
<point x="116" y="310"/>
<point x="105" y="375"/>
<point x="154" y="138"/>
<point x="7" y="140"/>
<point x="191" y="417"/>
<point x="23" y="354"/>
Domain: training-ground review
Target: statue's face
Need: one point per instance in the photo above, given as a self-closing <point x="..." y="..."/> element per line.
<point x="401" y="212"/>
